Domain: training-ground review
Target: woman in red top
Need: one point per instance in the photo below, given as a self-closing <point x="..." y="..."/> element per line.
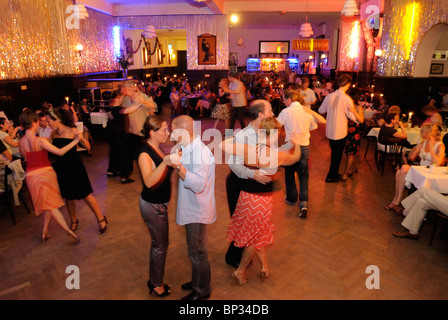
<point x="41" y="179"/>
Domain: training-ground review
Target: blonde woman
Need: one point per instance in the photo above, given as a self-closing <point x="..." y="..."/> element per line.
<point x="429" y="150"/>
<point x="251" y="227"/>
<point x="222" y="109"/>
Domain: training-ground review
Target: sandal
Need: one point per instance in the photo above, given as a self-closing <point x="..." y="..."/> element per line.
<point x="102" y="230"/>
<point x="390" y="207"/>
<point x="344" y="177"/>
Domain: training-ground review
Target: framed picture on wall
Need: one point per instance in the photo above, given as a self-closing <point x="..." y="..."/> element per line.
<point x="206" y="49"/>
<point x="436" y="68"/>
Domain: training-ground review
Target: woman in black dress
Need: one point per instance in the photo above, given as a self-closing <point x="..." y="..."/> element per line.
<point x="73" y="180"/>
<point x="353" y="140"/>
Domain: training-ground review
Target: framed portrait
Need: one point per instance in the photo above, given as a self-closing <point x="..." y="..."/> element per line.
<point x="207" y="49"/>
<point x="129" y="50"/>
<point x="436" y="68"/>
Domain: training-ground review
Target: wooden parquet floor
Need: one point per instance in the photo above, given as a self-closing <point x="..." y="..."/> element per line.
<point x="322" y="257"/>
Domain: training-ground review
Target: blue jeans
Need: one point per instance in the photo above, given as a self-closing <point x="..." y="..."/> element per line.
<point x="302" y="169"/>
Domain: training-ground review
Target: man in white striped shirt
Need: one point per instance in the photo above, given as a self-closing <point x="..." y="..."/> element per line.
<point x="337" y="107"/>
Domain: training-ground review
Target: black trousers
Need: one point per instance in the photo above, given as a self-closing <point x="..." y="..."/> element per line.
<point x="233" y="187"/>
<point x="337" y="150"/>
<point x="120" y="158"/>
<point x="237" y="113"/>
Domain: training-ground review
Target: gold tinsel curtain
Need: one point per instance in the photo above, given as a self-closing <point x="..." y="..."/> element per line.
<point x="35" y="42"/>
<point x="405" y="24"/>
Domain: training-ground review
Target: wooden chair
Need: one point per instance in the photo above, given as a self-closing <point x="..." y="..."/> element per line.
<point x="438" y="218"/>
<point x="6" y="193"/>
<point x="370" y="141"/>
<point x="389" y="151"/>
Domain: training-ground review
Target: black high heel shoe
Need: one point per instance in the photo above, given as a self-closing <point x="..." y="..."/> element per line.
<point x="102" y="230"/>
<point x="165" y="293"/>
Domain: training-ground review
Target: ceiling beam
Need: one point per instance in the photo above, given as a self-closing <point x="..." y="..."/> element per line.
<point x="216" y="6"/>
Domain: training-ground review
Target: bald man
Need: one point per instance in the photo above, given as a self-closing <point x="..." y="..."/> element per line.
<point x="242" y="177"/>
<point x="195" y="202"/>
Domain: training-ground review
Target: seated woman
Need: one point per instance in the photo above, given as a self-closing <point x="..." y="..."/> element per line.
<point x="8" y="134"/>
<point x="251" y="227"/>
<point x="388" y="130"/>
<point x="432" y="115"/>
<point x="380" y="117"/>
<point x="429" y="150"/>
<point x="205" y="101"/>
<point x="175" y="102"/>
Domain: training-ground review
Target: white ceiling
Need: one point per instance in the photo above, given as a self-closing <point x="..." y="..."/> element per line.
<point x="229" y="6"/>
<point x="254" y="14"/>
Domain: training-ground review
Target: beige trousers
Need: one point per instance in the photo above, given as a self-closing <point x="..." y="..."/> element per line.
<point x="418" y="203"/>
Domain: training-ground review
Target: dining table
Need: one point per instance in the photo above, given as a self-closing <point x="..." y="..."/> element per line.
<point x="413" y="134"/>
<point x="100" y="118"/>
<point x="424" y="177"/>
<point x="190" y="100"/>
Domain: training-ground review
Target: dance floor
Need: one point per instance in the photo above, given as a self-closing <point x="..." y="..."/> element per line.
<point x="322" y="257"/>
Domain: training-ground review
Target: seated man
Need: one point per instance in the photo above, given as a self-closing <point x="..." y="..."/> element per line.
<point x="415" y="208"/>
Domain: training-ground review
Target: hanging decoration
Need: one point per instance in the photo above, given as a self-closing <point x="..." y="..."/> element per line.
<point x="305" y="29"/>
<point x="149" y="32"/>
<point x="350" y="8"/>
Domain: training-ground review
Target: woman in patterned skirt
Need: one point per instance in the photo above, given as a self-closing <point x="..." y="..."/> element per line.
<point x="251" y="227"/>
<point x="353" y="140"/>
<point x="222" y="109"/>
<point x="41" y="179"/>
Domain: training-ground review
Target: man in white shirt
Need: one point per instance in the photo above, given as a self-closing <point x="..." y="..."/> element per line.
<point x="296" y="119"/>
<point x="337" y="106"/>
<point x="259" y="110"/>
<point x="44" y="131"/>
<point x="195" y="201"/>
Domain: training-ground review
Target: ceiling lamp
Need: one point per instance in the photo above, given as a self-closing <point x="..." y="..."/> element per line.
<point x="305" y="29"/>
<point x="350" y="8"/>
<point x="149" y="32"/>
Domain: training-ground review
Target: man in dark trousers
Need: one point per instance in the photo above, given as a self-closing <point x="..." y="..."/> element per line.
<point x="259" y="110"/>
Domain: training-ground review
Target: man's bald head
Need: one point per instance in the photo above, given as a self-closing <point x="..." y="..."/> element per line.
<point x="182" y="129"/>
<point x="183" y="122"/>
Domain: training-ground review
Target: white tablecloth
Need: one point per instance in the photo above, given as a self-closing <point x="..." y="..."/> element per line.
<point x="99" y="118"/>
<point x="369" y="113"/>
<point x="421" y="177"/>
<point x="413" y="134"/>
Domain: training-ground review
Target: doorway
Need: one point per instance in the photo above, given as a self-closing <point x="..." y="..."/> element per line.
<point x="427" y="64"/>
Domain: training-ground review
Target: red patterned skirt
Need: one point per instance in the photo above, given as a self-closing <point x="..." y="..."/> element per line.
<point x="251" y="223"/>
<point x="44" y="189"/>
